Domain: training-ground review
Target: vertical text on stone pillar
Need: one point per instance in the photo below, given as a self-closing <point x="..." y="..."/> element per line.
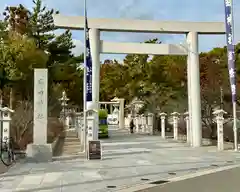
<point x="40" y="106"/>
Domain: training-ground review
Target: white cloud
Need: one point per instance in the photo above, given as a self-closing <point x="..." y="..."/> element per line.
<point x="79" y="47"/>
<point x="183" y="10"/>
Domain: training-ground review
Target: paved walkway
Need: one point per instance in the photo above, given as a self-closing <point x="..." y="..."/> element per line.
<point x="3" y="168"/>
<point x="127" y="160"/>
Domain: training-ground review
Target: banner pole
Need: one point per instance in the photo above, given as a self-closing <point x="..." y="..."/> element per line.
<point x="84" y="83"/>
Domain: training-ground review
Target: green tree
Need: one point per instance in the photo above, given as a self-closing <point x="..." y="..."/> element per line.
<point x="17" y="18"/>
<point x="37" y="25"/>
<point x="113" y="81"/>
<point x="154" y="80"/>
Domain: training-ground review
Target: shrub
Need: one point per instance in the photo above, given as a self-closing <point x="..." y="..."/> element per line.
<point x="102" y="114"/>
<point x="22" y="126"/>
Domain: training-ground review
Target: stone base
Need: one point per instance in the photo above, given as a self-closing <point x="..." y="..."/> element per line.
<point x="39" y="153"/>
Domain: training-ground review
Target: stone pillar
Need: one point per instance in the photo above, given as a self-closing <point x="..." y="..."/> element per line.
<point x="39" y="150"/>
<point x="94" y="37"/>
<point x="137" y="123"/>
<point x="79" y="125"/>
<point x="163" y="128"/>
<point x="189" y="87"/>
<point x="175" y="124"/>
<point x="91" y="125"/>
<point x="145" y="124"/>
<point x="220" y="121"/>
<point x="150" y="123"/>
<point x="67" y="122"/>
<point x="126" y="122"/>
<point x="83" y="132"/>
<point x="111" y="108"/>
<point x="74" y="119"/>
<point x="121" y="113"/>
<point x="196" y="122"/>
<point x="188" y="128"/>
<point x="142" y="123"/>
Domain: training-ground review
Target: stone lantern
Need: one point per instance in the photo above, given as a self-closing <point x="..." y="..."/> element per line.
<point x="220" y="121"/>
<point x="175" y="116"/>
<point x="5" y="123"/>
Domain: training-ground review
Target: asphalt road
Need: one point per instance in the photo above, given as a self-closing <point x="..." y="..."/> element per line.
<point x="224" y="181"/>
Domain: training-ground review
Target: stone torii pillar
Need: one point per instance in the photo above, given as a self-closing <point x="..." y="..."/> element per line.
<point x="190" y="28"/>
<point x="194" y="99"/>
<point x="94" y="37"/>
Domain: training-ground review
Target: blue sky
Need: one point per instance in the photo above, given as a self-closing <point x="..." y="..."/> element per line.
<point x="183" y="10"/>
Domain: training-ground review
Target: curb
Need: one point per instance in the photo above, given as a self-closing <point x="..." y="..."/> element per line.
<point x="148" y="185"/>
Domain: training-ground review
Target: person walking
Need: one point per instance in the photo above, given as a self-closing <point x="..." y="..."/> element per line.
<point x="131" y="125"/>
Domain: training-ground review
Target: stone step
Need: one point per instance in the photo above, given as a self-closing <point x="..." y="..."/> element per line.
<point x="72" y="140"/>
<point x="71" y="133"/>
<point x="70" y="154"/>
<point x="72" y="147"/>
<point x="72" y="137"/>
<point x="71" y="143"/>
<point x="71" y="151"/>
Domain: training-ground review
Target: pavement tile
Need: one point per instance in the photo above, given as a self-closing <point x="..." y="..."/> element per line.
<point x="117" y="169"/>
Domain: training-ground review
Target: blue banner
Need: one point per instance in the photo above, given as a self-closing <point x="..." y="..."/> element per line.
<point x="230" y="46"/>
<point x="88" y="64"/>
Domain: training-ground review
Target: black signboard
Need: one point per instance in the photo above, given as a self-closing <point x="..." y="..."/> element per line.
<point x="94" y="150"/>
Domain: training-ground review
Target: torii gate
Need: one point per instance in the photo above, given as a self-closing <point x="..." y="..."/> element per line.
<point x="191" y="29"/>
<point x="120" y="103"/>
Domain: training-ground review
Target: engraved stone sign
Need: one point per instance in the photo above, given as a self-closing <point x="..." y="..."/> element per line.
<point x="40" y="106"/>
<point x="94" y="150"/>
